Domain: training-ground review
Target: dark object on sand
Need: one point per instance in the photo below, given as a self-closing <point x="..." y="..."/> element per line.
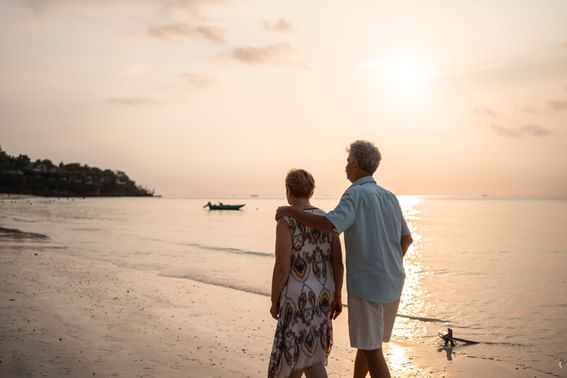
<point x="222" y="206"/>
<point x="449" y="339"/>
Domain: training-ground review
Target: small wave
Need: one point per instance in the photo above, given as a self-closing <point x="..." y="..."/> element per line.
<point x="423" y="318"/>
<point x="551" y="305"/>
<point x="87" y="229"/>
<point x="266" y="292"/>
<point x="230" y="250"/>
<point x="24" y="220"/>
<point x="12" y="233"/>
<point x="214" y="248"/>
<point x="218" y="282"/>
<point x="435" y="271"/>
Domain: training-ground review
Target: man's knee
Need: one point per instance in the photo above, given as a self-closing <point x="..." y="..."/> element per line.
<point x="365" y="351"/>
<point x="372" y="354"/>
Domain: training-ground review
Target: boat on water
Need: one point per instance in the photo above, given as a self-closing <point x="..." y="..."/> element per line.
<point x="223" y="206"/>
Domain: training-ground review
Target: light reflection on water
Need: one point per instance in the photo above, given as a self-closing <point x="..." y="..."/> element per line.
<point x="413" y="295"/>
<point x="397" y="357"/>
<point x="492" y="270"/>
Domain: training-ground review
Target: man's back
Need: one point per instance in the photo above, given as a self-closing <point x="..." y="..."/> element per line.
<point x="372" y="221"/>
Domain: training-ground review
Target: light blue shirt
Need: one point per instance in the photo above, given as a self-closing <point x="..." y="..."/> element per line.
<point x="372" y="220"/>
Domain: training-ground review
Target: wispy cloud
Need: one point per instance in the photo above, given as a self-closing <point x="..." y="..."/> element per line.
<point x="192" y="7"/>
<point x="550" y="106"/>
<point x="530" y="109"/>
<point x="181" y="30"/>
<point x="199" y="80"/>
<point x="534" y="130"/>
<point x="133" y="101"/>
<point x="263" y="54"/>
<point x="527" y="130"/>
<point x="557" y="105"/>
<point x="486" y="111"/>
<point x="280" y="26"/>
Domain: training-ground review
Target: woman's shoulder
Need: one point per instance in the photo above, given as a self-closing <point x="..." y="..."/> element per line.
<point x="315" y="210"/>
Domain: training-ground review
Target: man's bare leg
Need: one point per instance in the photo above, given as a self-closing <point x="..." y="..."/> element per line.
<point x="360" y="365"/>
<point x="372" y="361"/>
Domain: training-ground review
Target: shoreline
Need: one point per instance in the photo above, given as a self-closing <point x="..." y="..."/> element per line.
<point x="67" y="315"/>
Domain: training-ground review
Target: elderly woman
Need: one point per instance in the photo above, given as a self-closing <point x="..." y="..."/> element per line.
<point x="306" y="288"/>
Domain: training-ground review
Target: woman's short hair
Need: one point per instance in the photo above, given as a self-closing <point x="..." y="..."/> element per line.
<point x="366" y="155"/>
<point x="300" y="183"/>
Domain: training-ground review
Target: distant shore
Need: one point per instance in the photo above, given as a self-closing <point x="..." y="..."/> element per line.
<point x="21" y="175"/>
<point x="15" y="196"/>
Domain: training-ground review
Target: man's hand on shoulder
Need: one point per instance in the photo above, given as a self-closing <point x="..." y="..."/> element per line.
<point x="283" y="211"/>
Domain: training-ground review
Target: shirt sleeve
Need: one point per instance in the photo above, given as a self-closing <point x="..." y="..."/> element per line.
<point x="342" y="217"/>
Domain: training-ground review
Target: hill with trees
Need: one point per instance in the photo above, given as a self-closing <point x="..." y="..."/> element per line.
<point x="19" y="175"/>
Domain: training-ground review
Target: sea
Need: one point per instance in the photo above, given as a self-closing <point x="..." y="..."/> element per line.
<point x="494" y="270"/>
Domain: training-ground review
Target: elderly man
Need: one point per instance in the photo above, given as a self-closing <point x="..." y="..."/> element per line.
<point x="376" y="239"/>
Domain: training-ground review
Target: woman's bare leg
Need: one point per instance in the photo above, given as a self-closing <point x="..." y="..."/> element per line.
<point x="316" y="371"/>
<point x="296" y="374"/>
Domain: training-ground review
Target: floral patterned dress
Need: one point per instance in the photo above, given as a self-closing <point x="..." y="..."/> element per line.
<point x="304" y="333"/>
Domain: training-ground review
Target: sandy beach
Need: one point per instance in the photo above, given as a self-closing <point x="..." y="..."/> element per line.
<point x="62" y="315"/>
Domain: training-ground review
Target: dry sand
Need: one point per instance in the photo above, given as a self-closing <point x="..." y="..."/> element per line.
<point x="64" y="315"/>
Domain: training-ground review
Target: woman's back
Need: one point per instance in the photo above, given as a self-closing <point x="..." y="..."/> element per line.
<point x="311" y="255"/>
<point x="304" y="332"/>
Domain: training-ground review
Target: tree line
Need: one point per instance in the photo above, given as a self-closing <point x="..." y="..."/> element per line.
<point x="20" y="175"/>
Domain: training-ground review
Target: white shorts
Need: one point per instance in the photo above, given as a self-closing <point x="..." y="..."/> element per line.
<point x="370" y="323"/>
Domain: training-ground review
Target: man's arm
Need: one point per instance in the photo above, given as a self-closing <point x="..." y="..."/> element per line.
<point x="319" y="222"/>
<point x="405" y="243"/>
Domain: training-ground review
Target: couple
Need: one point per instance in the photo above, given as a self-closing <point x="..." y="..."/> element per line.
<point x="308" y="272"/>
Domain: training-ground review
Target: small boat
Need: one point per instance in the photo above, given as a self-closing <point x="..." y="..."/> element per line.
<point x="223" y="206"/>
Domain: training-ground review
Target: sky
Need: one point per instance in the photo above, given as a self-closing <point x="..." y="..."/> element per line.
<point x="220" y="98"/>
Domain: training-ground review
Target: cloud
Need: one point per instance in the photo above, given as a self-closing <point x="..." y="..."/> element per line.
<point x="174" y="30"/>
<point x="191" y="6"/>
<point x="557" y="105"/>
<point x="531" y="109"/>
<point x="486" y="111"/>
<point x="263" y="54"/>
<point x="280" y="26"/>
<point x="199" y="80"/>
<point x="534" y="130"/>
<point x="133" y="101"/>
<point x="529" y="130"/>
<point x="546" y="107"/>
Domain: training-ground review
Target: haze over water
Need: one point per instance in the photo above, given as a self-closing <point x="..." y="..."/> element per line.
<point x="494" y="270"/>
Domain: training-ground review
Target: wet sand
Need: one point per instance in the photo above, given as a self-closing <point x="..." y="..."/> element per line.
<point x="65" y="315"/>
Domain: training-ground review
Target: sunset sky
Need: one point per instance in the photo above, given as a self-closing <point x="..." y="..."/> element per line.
<point x="220" y="98"/>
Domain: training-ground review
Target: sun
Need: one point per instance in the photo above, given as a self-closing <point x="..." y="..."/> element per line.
<point x="402" y="78"/>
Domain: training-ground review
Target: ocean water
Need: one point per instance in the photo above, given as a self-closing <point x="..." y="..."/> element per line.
<point x="493" y="270"/>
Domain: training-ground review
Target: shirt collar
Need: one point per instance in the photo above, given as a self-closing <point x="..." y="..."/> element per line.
<point x="364" y="180"/>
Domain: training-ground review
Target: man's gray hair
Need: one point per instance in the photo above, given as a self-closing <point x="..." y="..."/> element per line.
<point x="365" y="154"/>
